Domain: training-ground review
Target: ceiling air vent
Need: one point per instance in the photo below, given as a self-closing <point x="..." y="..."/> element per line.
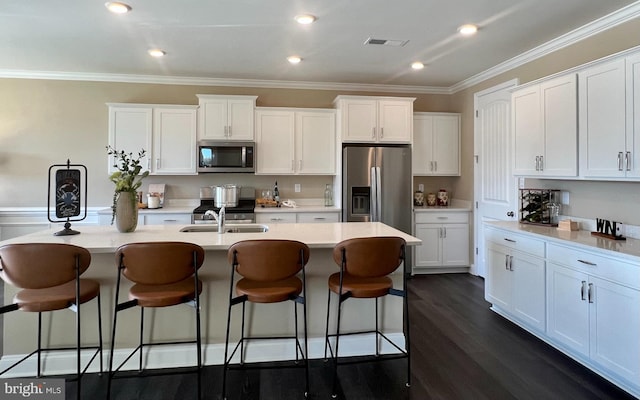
<point x="386" y="42"/>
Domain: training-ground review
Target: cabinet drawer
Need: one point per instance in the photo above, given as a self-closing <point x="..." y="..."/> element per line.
<point x="517" y="242"/>
<point x="441" y="217"/>
<point x="167" y="219"/>
<point x="280" y="218"/>
<point x="318" y="217"/>
<point x="594" y="264"/>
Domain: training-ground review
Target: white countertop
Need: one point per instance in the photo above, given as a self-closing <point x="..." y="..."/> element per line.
<point x="628" y="249"/>
<point x="106" y="239"/>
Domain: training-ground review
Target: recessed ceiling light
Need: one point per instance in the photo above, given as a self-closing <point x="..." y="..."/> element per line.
<point x="294" y="59"/>
<point x="305" y="19"/>
<point x="417" y="65"/>
<point x="468" y="29"/>
<point x="117" y="8"/>
<point x="156" y="52"/>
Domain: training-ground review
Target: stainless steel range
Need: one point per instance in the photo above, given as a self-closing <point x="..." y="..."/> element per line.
<point x="242" y="213"/>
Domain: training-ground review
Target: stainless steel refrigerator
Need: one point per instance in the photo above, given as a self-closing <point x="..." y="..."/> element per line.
<point x="376" y="186"/>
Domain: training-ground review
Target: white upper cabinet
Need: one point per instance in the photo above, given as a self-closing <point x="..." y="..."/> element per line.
<point x="227" y="118"/>
<point x="295" y="141"/>
<point x="166" y="132"/>
<point x="367" y="119"/>
<point x="603" y="119"/>
<point x="545" y="128"/>
<point x="436" y="144"/>
<point x="174" y="141"/>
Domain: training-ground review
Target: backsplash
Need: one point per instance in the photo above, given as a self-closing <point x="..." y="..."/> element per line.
<point x="630" y="231"/>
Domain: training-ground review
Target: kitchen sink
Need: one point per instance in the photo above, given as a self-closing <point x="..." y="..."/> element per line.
<point x="228" y="228"/>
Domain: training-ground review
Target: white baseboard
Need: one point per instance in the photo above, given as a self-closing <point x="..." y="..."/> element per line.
<point x="184" y="355"/>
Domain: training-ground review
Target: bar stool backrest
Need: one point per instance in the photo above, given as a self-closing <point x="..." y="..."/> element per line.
<point x="159" y="263"/>
<point x="42" y="265"/>
<point x="268" y="260"/>
<point x="370" y="257"/>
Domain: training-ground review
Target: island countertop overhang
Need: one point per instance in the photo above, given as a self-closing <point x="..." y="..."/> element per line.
<point x="106" y="239"/>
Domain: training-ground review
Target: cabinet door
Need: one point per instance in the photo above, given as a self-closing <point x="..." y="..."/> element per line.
<point x="498" y="283"/>
<point x="174" y="141"/>
<point x="527" y="131"/>
<point x="240" y="119"/>
<point x="359" y="120"/>
<point x="213" y="119"/>
<point x="602" y="118"/>
<point x="395" y="121"/>
<point x="568" y="307"/>
<point x="615" y="328"/>
<point x="275" y="142"/>
<point x="429" y="253"/>
<point x="633" y="116"/>
<point x="446" y="145"/>
<point x="315" y="142"/>
<point x="455" y="245"/>
<point x="528" y="289"/>
<point x="560" y="126"/>
<point x="130" y="130"/>
<point x="422" y="157"/>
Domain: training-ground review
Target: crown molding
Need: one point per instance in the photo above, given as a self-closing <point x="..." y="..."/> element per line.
<point x="602" y="24"/>
<point x="599" y="25"/>
<point x="256" y="83"/>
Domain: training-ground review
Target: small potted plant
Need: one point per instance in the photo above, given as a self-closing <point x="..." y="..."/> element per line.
<point x="127" y="180"/>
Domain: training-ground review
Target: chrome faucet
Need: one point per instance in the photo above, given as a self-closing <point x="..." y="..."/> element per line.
<point x="219" y="218"/>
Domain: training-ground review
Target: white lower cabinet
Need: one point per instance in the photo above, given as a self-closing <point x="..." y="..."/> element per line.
<point x="597" y="318"/>
<point x="292" y="217"/>
<point x="515" y="283"/>
<point x="166" y="219"/>
<point x="585" y="303"/>
<point x="445" y="241"/>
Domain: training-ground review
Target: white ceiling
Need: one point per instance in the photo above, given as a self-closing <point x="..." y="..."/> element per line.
<point x="250" y="39"/>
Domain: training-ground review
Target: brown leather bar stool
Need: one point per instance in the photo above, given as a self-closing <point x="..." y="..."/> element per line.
<point x="49" y="276"/>
<point x="164" y="274"/>
<point x="365" y="264"/>
<point x="269" y="271"/>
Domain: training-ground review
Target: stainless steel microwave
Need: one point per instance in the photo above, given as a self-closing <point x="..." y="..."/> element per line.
<point x="215" y="156"/>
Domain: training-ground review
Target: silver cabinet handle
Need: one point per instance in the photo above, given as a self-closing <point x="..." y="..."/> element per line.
<point x="431" y="166"/>
<point x="537" y="163"/>
<point x="627" y="160"/>
<point x="590" y="293"/>
<point x="541" y="163"/>
<point x="300" y="165"/>
<point x="444" y="230"/>
<point x="436" y="164"/>
<point x="620" y="161"/>
<point x="510" y="240"/>
<point x="381" y="133"/>
<point x="276" y="219"/>
<point x="510" y="263"/>
<point x="319" y="218"/>
<point x="229" y="130"/>
<point x="588" y="263"/>
<point x="506" y="262"/>
<point x="157" y="163"/>
<point x="584" y="283"/>
<point x="373" y="133"/>
<point x="443" y="217"/>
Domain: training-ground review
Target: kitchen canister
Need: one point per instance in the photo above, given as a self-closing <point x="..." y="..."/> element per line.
<point x="418" y="198"/>
<point x="431" y="199"/>
<point x="443" y="198"/>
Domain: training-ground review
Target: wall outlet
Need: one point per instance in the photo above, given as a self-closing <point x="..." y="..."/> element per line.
<point x="521" y="183"/>
<point x="565" y="198"/>
<point x="296" y="188"/>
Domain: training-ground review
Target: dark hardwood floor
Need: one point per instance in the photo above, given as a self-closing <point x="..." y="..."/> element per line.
<point x="460" y="350"/>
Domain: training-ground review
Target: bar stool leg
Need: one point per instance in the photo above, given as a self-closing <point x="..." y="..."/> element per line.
<point x="100" y="331"/>
<point x="141" y="335"/>
<point x="295" y="324"/>
<point x="377" y="329"/>
<point x="334" y="393"/>
<point x="326" y="332"/>
<point x="306" y="346"/>
<point x="408" y="332"/>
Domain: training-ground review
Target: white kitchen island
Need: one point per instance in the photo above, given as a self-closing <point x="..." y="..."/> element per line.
<point x="176" y="323"/>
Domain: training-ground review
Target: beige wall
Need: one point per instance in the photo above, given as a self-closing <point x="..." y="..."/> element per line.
<point x="45" y="122"/>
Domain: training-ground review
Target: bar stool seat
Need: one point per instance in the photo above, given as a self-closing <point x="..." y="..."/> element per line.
<point x="358" y="287"/>
<point x="164" y="295"/>
<point x="269" y="292"/>
<point x="57" y="297"/>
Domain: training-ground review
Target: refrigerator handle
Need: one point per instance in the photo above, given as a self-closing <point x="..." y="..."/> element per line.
<point x="374" y="195"/>
<point x="378" y="195"/>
